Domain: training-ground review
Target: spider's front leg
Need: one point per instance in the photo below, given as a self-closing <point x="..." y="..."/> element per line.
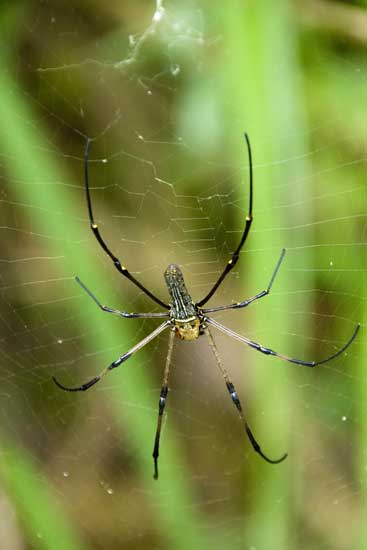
<point x="94" y="227"/>
<point x="248" y="221"/>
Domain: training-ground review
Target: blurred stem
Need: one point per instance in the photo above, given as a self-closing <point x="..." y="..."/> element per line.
<point x="259" y="82"/>
<point x="34" y="174"/>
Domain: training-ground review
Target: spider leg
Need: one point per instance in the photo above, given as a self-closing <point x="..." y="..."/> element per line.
<point x="261" y="294"/>
<point x="94" y="227"/>
<point x="237" y="403"/>
<point x="248" y="221"/>
<point x="116" y="311"/>
<point x="117" y="362"/>
<point x="268" y="351"/>
<point x="162" y="402"/>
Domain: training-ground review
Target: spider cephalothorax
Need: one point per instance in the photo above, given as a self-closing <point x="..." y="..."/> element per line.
<point x="187" y="319"/>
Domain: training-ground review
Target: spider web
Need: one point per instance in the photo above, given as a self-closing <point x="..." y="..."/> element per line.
<point x="169" y="180"/>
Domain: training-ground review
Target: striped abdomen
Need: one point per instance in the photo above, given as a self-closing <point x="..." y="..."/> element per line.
<point x="183" y="311"/>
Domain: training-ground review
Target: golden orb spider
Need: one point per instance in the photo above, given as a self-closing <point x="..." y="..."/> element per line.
<point x="188" y="319"/>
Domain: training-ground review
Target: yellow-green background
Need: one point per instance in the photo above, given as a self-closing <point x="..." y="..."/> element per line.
<point x="167" y="98"/>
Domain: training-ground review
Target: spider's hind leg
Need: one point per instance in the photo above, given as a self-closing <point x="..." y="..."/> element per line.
<point x="162" y="402"/>
<point x="237" y="403"/>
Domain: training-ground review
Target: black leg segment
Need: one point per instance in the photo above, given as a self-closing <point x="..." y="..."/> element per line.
<point x="239" y="305"/>
<point x="94" y="227"/>
<point x="117" y="362"/>
<point x="248" y="221"/>
<point x="234" y="396"/>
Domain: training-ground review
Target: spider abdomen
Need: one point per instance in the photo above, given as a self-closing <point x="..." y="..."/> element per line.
<point x="182" y="306"/>
<point x="184" y="313"/>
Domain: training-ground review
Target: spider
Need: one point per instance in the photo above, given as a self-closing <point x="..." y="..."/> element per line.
<point x="188" y="320"/>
